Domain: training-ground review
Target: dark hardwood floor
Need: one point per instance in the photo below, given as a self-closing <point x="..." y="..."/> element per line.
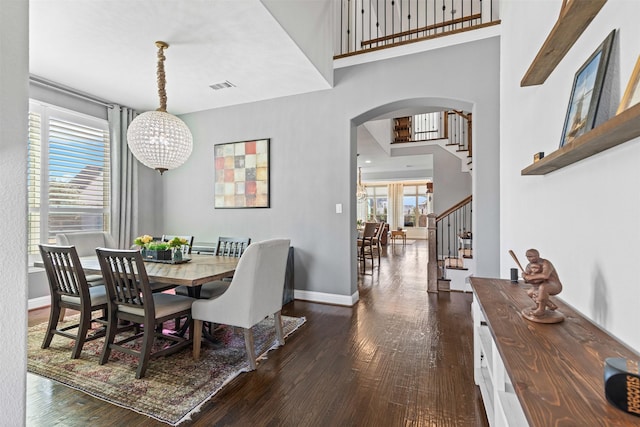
<point x="399" y="357"/>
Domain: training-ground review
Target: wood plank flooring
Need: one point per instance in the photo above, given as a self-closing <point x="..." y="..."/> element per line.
<point x="399" y="357"/>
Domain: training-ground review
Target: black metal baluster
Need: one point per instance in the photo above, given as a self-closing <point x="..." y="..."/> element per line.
<point x="362" y="21"/>
<point x="377" y="20"/>
<point x="393" y="21"/>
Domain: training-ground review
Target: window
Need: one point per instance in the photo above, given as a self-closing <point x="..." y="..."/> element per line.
<point x="68" y="174"/>
<point x="376" y="203"/>
<point x="415" y="205"/>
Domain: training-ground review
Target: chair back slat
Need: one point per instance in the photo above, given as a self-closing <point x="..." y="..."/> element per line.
<point x="64" y="278"/>
<point x="126" y="277"/>
<point x="232" y="246"/>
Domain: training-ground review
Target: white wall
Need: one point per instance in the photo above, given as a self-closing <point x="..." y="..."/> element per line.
<point x="14" y="62"/>
<point x="584" y="218"/>
<point x="313" y="157"/>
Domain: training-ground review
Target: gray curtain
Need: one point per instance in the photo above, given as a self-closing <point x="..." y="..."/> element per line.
<point x="124" y="178"/>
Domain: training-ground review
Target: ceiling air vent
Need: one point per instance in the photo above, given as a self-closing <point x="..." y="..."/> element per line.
<point x="224" y="85"/>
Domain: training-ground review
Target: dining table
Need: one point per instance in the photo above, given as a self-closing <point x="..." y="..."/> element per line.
<point x="191" y="272"/>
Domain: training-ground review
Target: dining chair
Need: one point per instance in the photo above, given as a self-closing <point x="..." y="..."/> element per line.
<point x="189" y="239"/>
<point x="227" y="246"/>
<point x="161" y="287"/>
<point x="232" y="246"/>
<point x="69" y="289"/>
<point x="377" y="240"/>
<point x="131" y="299"/>
<point x="365" y="244"/>
<point x="254" y="293"/>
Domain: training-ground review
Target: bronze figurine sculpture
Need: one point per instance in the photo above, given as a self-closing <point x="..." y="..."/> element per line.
<point x="543" y="278"/>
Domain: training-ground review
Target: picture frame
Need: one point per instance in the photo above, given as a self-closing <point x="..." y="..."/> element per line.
<point x="586" y="92"/>
<point x="631" y="95"/>
<point x="242" y="174"/>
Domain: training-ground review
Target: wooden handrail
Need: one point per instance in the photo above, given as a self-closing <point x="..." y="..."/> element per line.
<point x="455" y="207"/>
<point x="419" y="39"/>
<point x="421" y="29"/>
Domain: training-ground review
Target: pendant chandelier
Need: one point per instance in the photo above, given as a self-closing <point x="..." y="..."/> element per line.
<point x="361" y="191"/>
<point x="160" y="140"/>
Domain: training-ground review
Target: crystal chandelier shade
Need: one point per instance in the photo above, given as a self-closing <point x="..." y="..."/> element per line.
<point x="160" y="140"/>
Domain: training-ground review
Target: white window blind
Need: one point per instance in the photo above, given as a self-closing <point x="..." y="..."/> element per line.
<point x="69" y="167"/>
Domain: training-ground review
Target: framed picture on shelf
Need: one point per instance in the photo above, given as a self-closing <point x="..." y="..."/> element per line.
<point x="632" y="94"/>
<point x="585" y="93"/>
<point x="242" y="174"/>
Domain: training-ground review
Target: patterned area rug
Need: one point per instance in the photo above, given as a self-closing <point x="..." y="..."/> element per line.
<point x="174" y="387"/>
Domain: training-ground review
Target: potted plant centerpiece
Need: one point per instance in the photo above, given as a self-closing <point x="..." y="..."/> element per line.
<point x="153" y="250"/>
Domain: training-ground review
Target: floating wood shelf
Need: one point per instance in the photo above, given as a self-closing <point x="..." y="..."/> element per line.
<point x="615" y="131"/>
<point x="574" y="18"/>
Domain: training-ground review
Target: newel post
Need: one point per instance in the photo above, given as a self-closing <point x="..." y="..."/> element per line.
<point x="432" y="264"/>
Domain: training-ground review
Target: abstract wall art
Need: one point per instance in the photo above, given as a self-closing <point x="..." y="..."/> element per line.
<point x="242" y="174"/>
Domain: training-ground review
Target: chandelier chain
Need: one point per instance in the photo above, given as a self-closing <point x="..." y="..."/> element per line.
<point x="162" y="94"/>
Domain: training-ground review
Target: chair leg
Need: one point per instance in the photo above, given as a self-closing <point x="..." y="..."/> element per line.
<point x="251" y="353"/>
<point x="197" y="338"/>
<point x="54" y="317"/>
<point x="63" y="311"/>
<point x="148" y="336"/>
<point x="277" y="317"/>
<point x="112" y="328"/>
<point x="83" y="329"/>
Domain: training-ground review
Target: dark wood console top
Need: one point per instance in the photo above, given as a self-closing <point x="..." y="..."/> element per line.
<point x="556" y="369"/>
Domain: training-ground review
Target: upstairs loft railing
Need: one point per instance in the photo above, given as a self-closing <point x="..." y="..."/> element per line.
<point x="367" y="25"/>
<point x="454" y="126"/>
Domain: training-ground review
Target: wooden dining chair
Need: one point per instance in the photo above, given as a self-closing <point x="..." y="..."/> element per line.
<point x="365" y="245"/>
<point x="254" y="293"/>
<point x="232" y="246"/>
<point x="189" y="239"/>
<point x="131" y="299"/>
<point x="69" y="289"/>
<point x="227" y="246"/>
<point x="161" y="287"/>
<point x="377" y="240"/>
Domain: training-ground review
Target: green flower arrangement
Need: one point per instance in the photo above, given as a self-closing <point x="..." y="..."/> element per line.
<point x="158" y="246"/>
<point x="177" y="242"/>
<point x="143" y="241"/>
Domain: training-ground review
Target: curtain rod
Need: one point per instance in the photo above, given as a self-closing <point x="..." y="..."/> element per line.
<point x="60" y="88"/>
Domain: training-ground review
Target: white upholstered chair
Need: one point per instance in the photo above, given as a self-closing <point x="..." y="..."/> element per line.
<point x="254" y="293"/>
<point x="86" y="242"/>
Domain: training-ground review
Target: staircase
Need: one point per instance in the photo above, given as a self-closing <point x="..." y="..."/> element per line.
<point x="454" y="247"/>
<point x="450" y="129"/>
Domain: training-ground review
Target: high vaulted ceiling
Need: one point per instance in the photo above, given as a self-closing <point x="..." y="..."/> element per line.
<point x="106" y="48"/>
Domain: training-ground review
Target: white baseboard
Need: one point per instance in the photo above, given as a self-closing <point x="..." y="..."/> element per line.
<point x="38" y="302"/>
<point x="326" y="298"/>
<point x="297" y="294"/>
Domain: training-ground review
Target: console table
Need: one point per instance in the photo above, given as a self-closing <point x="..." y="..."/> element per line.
<point x="534" y="374"/>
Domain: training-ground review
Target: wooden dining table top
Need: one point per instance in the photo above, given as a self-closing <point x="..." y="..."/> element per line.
<point x="201" y="269"/>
